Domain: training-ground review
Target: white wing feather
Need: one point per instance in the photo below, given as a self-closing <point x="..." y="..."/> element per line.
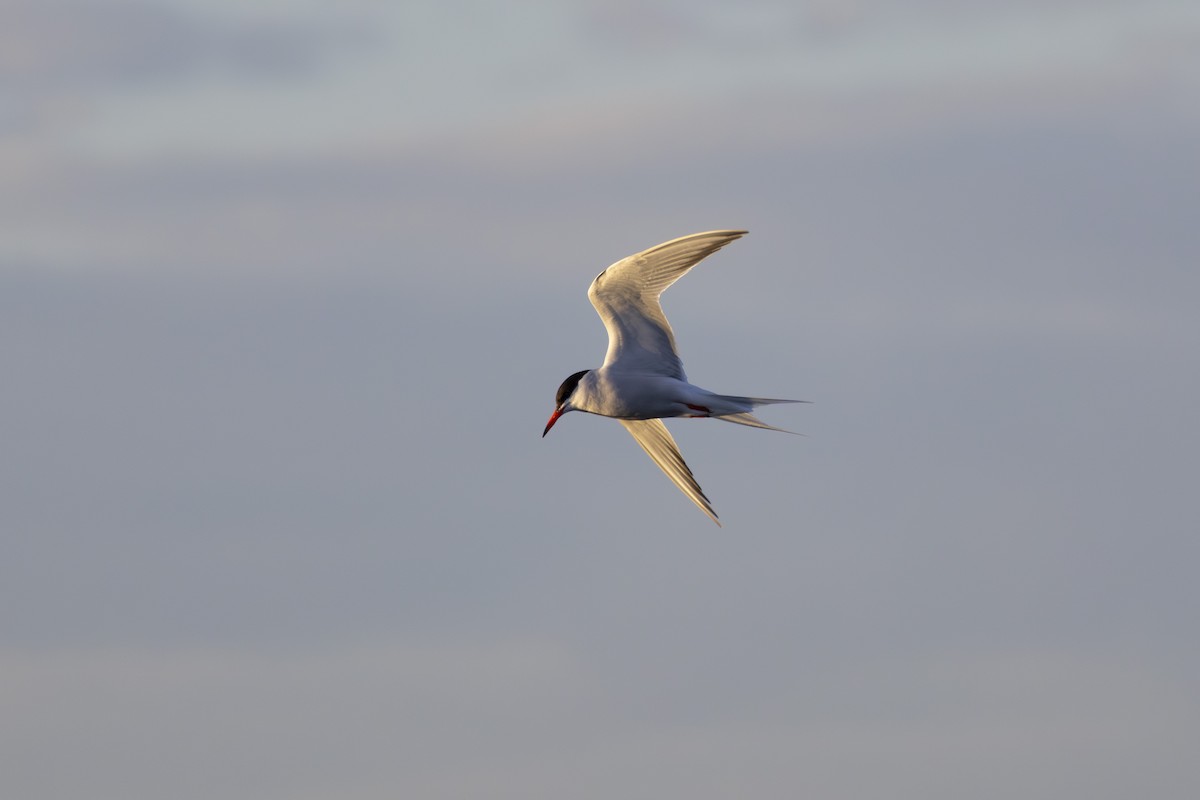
<point x="626" y="296"/>
<point x="658" y="443"/>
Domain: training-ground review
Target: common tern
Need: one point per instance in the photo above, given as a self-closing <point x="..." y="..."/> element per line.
<point x="642" y="378"/>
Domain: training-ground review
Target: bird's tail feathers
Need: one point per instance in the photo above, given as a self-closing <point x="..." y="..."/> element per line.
<point x="746" y="418"/>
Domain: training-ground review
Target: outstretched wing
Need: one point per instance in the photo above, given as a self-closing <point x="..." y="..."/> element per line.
<point x="626" y="296"/>
<point x="658" y="443"/>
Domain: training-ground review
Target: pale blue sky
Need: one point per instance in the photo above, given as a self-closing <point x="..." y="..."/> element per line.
<point x="285" y="293"/>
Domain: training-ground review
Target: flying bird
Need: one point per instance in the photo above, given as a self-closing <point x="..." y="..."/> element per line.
<point x="642" y="379"/>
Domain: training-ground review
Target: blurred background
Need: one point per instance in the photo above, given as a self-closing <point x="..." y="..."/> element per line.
<point x="286" y="289"/>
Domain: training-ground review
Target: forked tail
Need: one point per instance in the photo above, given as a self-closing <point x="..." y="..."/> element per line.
<point x="746" y="418"/>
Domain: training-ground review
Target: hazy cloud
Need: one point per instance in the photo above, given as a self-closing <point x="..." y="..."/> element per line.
<point x="69" y="43"/>
<point x="60" y="58"/>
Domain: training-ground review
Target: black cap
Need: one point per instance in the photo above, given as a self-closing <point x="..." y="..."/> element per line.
<point x="568" y="387"/>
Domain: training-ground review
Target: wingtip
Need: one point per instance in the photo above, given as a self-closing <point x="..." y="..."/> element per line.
<point x="730" y="234"/>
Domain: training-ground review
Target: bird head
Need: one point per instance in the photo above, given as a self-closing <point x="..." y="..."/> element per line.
<point x="562" y="399"/>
